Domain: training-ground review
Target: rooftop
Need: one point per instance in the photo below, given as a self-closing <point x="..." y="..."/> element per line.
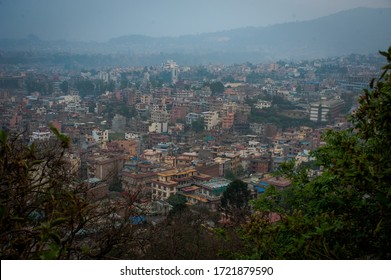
<point x="216" y="183"/>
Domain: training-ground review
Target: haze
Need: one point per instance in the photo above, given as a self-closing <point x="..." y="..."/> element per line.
<point x="99" y="20"/>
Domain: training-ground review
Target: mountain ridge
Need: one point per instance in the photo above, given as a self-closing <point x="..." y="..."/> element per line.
<point x="359" y="30"/>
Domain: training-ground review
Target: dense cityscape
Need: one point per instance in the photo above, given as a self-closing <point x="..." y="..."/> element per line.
<point x="146" y="122"/>
<point x="158" y="132"/>
<point x="274" y="159"/>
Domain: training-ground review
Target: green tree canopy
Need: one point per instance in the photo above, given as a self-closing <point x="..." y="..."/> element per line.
<point x="345" y="213"/>
<point x="216" y="87"/>
<point x="235" y="200"/>
<point x="64" y="86"/>
<point x="198" y="125"/>
<point x="178" y="203"/>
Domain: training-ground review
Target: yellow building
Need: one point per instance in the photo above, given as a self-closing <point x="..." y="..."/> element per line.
<point x="168" y="182"/>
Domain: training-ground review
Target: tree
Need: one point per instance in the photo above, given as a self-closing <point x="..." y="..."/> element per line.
<point x="46" y="213"/>
<point x="64" y="87"/>
<point x="216" y="87"/>
<point x="86" y="87"/>
<point x="235" y="200"/>
<point x="178" y="203"/>
<point x="346" y="212"/>
<point x="229" y="174"/>
<point x="240" y="171"/>
<point x="198" y="125"/>
<point x="185" y="235"/>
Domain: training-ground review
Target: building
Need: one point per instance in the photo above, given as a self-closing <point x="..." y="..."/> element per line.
<point x="152" y="156"/>
<point x="158" y="127"/>
<point x="106" y="167"/>
<point x="129" y="147"/>
<point x="326" y="110"/>
<point x="170" y="181"/>
<point x="41" y="136"/>
<point x="278" y="182"/>
<point x="227" y="121"/>
<point x="119" y="123"/>
<point x="160" y="116"/>
<point x="192" y="117"/>
<point x="206" y="193"/>
<point x="259" y="164"/>
<point x="138" y="182"/>
<point x="262" y="104"/>
<point x="171" y="65"/>
<point x="156" y="138"/>
<point x="211" y="119"/>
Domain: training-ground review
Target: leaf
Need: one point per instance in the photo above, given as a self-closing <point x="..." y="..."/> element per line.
<point x="58" y="221"/>
<point x="52" y="253"/>
<point x="55" y="238"/>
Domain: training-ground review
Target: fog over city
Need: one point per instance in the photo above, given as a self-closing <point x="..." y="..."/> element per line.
<point x="199" y="130"/>
<point x="101" y="20"/>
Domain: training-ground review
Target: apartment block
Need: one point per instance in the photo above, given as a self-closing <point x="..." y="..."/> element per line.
<point x="326" y="110"/>
<point x="168" y="182"/>
<point x="211" y="119"/>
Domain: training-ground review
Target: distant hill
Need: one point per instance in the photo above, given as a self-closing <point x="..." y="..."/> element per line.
<point x="361" y="30"/>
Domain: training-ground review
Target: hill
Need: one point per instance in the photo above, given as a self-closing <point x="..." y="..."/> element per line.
<point x="361" y="30"/>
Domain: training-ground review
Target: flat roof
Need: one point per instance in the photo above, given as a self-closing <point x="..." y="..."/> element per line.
<point x="216" y="183"/>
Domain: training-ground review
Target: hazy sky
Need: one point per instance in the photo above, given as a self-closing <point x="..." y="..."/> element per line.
<point x="100" y="20"/>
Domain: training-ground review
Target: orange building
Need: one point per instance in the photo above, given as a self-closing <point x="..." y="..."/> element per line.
<point x="228" y="121"/>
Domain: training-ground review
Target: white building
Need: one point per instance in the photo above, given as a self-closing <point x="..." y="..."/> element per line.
<point x="100" y="136"/>
<point x="158" y="127"/>
<point x="211" y="119"/>
<point x="262" y="104"/>
<point x="41" y="136"/>
<point x="171" y="65"/>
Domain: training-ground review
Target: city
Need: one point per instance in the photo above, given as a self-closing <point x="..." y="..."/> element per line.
<point x="167" y="148"/>
<point x="157" y="132"/>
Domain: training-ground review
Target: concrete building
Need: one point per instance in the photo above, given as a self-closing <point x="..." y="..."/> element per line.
<point x="211" y="119"/>
<point x="227" y="121"/>
<point x="262" y="104"/>
<point x="259" y="164"/>
<point x="192" y="117"/>
<point x="326" y="110"/>
<point x="105" y="167"/>
<point x="169" y="182"/>
<point x="158" y="116"/>
<point x="100" y="136"/>
<point x="140" y="183"/>
<point x="158" y="127"/>
<point x="119" y="123"/>
<point x="207" y="192"/>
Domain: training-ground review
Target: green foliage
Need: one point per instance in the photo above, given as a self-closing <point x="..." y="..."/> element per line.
<point x="240" y="171"/>
<point x="64" y="86"/>
<point x="274" y="116"/>
<point x="85" y="87"/>
<point x="235" y="199"/>
<point x="198" y="125"/>
<point x="230" y="175"/>
<point x="216" y="87"/>
<point x="346" y="212"/>
<point x="178" y="203"/>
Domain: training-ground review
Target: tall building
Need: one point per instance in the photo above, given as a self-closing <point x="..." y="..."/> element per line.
<point x="211" y="119"/>
<point x="119" y="123"/>
<point x="171" y="65"/>
<point x="326" y="110"/>
<point x="228" y="121"/>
